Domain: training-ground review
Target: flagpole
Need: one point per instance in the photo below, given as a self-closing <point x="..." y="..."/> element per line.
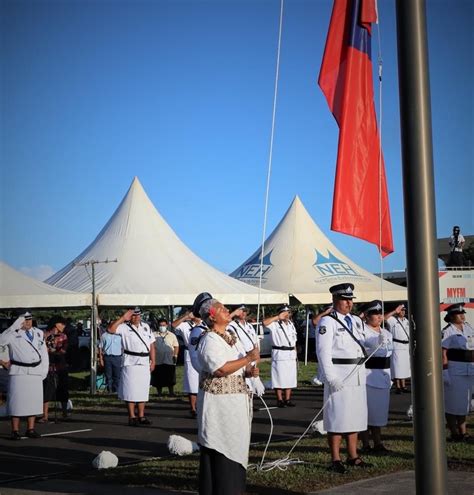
<point x="420" y="233"/>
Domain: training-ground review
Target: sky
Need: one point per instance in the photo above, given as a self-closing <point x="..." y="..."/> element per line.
<point x="179" y="93"/>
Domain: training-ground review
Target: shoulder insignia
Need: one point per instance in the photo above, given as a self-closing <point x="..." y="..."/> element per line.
<point x="322" y="330"/>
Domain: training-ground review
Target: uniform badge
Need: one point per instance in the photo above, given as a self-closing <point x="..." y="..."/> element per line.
<point x="322" y="330"/>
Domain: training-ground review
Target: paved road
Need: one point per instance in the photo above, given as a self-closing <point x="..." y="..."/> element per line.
<point x="73" y="444"/>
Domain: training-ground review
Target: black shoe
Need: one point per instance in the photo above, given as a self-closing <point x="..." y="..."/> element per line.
<point x="359" y="463"/>
<point x="288" y="403"/>
<point x="15" y="435"/>
<point x="381" y="449"/>
<point x="144" y="421"/>
<point x="460" y="437"/>
<point x="405" y="390"/>
<point x="132" y="421"/>
<point x="337" y="467"/>
<point x="32" y="434"/>
<point x="193" y="413"/>
<point x="398" y="391"/>
<point x="281" y="403"/>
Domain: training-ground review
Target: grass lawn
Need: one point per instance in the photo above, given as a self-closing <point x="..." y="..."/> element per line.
<point x="83" y="401"/>
<point x="182" y="473"/>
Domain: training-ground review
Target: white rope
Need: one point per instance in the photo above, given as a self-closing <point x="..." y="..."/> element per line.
<point x="283" y="463"/>
<point x="270" y="160"/>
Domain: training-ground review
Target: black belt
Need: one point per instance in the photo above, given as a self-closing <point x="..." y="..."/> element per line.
<point x="401" y="341"/>
<point x="282" y="348"/>
<point x="347" y="360"/>
<point x="461" y="355"/>
<point x="378" y="363"/>
<point x="25" y="365"/>
<point x="112" y="355"/>
<point x="141" y="354"/>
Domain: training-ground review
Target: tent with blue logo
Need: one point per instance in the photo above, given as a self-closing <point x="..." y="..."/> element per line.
<point x="153" y="268"/>
<point x="300" y="260"/>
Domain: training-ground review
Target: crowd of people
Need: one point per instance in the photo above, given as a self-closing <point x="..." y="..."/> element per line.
<point x="359" y="355"/>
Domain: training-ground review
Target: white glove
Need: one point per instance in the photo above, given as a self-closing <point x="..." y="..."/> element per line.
<point x="258" y="388"/>
<point x="17" y="324"/>
<point x="335" y="385"/>
<point x="446" y="378"/>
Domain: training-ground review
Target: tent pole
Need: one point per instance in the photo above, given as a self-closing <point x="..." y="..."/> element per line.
<point x="93" y="376"/>
<point x="306" y="341"/>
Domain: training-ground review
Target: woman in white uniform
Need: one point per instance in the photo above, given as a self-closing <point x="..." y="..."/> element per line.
<point x="458" y="370"/>
<point x="28" y="363"/>
<point x="224" y="406"/>
<point x="378" y="377"/>
<point x="138" y="361"/>
<point x="399" y="327"/>
<point x="284" y="358"/>
<point x="183" y="327"/>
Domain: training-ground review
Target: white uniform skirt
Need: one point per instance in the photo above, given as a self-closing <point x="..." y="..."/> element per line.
<point x="284" y="374"/>
<point x="190" y="379"/>
<point x="400" y="363"/>
<point x="346" y="410"/>
<point x="25" y="395"/>
<point x="378" y="400"/>
<point x="134" y="383"/>
<point x="457" y="396"/>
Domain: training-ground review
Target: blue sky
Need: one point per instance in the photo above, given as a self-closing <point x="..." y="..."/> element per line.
<point x="179" y="93"/>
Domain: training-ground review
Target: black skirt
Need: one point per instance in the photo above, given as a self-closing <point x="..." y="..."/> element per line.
<point x="219" y="475"/>
<point x="164" y="375"/>
<point x="56" y="387"/>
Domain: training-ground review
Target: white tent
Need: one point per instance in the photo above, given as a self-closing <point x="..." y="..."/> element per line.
<point x="154" y="267"/>
<point x="299" y="259"/>
<point x="17" y="290"/>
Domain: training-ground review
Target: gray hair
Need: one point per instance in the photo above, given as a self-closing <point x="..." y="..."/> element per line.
<point x="205" y="310"/>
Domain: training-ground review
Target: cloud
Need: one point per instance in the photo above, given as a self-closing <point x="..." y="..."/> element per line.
<point x="40" y="272"/>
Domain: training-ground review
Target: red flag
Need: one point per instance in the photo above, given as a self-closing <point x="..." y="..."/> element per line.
<point x="346" y="81"/>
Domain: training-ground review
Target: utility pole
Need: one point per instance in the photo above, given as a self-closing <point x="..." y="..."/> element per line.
<point x="420" y="224"/>
<point x="94" y="313"/>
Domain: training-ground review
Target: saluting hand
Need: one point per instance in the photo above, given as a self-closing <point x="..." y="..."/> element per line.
<point x="127" y="316"/>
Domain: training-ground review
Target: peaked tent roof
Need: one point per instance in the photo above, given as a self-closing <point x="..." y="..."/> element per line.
<point x="17" y="290"/>
<point x="154" y="267"/>
<point x="299" y="259"/>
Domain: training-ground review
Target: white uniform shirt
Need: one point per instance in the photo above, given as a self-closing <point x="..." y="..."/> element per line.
<point x="283" y="334"/>
<point x="400" y="330"/>
<point x="378" y="378"/>
<point x="184" y="330"/>
<point x="458" y="248"/>
<point x="453" y="338"/>
<point x="246" y="334"/>
<point x="334" y="341"/>
<point x="131" y="342"/>
<point x="21" y="349"/>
